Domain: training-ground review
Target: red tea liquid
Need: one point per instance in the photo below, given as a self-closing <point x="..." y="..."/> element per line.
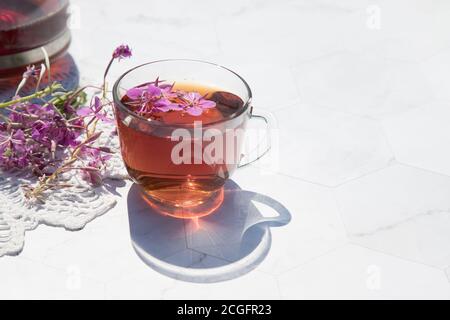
<point x="182" y="190"/>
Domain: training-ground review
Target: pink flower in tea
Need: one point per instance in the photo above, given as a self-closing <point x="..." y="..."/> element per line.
<point x="195" y="103"/>
<point x="135" y="93"/>
<point x="153" y="98"/>
<point x="123" y="51"/>
<point x="168" y="92"/>
<point x="156" y="89"/>
<point x="160" y="97"/>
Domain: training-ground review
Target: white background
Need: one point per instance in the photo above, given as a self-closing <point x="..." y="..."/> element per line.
<point x="361" y="93"/>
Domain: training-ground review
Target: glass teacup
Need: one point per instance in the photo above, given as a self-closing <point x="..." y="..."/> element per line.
<point x="182" y="163"/>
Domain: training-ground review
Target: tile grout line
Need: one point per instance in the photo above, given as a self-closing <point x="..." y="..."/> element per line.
<point x="424" y="169"/>
<point x="294" y="78"/>
<point x="386" y="138"/>
<point x="342" y="112"/>
<point x="397" y="257"/>
<point x="391" y="162"/>
<point x="280" y="292"/>
<point x="341" y="217"/>
<point x="281" y="174"/>
<point x="64" y="271"/>
<point x="303" y="264"/>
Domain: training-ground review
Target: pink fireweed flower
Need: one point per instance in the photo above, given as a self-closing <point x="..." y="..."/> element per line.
<point x="168" y="92"/>
<point x="95" y="110"/>
<point x="159" y="97"/>
<point x="37" y="139"/>
<point x="14" y="150"/>
<point x="123" y="51"/>
<point x="194" y="103"/>
<point x="95" y="161"/>
<point x="31" y="72"/>
<point x="152" y="98"/>
<point x="157" y="89"/>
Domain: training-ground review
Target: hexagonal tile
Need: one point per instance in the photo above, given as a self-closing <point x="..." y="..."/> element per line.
<point x="102" y="252"/>
<point x="315" y="228"/>
<point x="25" y="279"/>
<point x="353" y="272"/>
<point x="194" y="31"/>
<point x="44" y="238"/>
<point x="421" y="137"/>
<point x="376" y="28"/>
<point x="326" y="147"/>
<point x="141" y="283"/>
<point x="437" y="71"/>
<point x="282" y="33"/>
<point x="240" y="288"/>
<point x="362" y="84"/>
<point x="402" y="211"/>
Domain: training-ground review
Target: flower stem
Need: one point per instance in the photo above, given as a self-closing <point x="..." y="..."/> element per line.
<point x="47" y="183"/>
<point x="60" y="98"/>
<point x="40" y="94"/>
<point x="105" y="75"/>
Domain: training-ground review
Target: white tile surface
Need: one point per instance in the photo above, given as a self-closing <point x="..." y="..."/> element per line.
<point x="403" y="30"/>
<point x="327" y="147"/>
<point x="421" y="137"/>
<point x="436" y="70"/>
<point x="316" y="226"/>
<point x="141" y="283"/>
<point x="43" y="239"/>
<point x="353" y="272"/>
<point x="402" y="211"/>
<point x="281" y="31"/>
<point x="363" y="84"/>
<point x="25" y="279"/>
<point x="255" y="285"/>
<point x="364" y="162"/>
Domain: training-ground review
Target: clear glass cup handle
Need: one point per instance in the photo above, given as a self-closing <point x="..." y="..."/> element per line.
<point x="283" y="217"/>
<point x="262" y="147"/>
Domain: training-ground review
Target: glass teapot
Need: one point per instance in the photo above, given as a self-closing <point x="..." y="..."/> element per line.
<point x="28" y="25"/>
<point x="30" y="30"/>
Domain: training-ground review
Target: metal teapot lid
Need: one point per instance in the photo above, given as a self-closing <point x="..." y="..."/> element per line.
<point x="28" y="25"/>
<point x="22" y="59"/>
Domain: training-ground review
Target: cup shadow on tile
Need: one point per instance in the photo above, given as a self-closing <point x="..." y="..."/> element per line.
<point x="224" y="245"/>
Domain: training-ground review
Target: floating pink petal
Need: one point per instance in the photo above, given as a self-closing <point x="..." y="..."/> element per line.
<point x="207" y="104"/>
<point x="135" y="93"/>
<point x="154" y="91"/>
<point x="194" y="111"/>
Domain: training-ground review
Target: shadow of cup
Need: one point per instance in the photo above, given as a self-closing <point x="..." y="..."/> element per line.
<point x="232" y="241"/>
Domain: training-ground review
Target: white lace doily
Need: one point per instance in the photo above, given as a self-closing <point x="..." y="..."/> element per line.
<point x="71" y="208"/>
